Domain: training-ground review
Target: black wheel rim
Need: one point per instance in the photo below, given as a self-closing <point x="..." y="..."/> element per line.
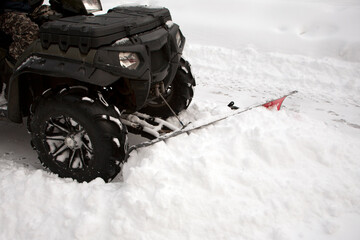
<point x="68" y="143"/>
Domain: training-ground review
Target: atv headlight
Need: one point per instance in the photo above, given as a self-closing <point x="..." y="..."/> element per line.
<point x="92" y="5"/>
<point x="178" y="38"/>
<point x="129" y="60"/>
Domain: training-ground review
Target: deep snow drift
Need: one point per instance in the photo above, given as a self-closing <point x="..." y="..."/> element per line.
<point x="293" y="174"/>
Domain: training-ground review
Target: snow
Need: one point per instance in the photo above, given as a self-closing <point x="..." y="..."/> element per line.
<point x="317" y="28"/>
<point x="292" y="174"/>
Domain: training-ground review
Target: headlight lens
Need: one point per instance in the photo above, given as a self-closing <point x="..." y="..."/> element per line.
<point x="129" y="60"/>
<point x="178" y="39"/>
<point x="92" y="5"/>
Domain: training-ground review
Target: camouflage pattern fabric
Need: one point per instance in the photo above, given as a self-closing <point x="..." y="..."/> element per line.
<point x="42" y="12"/>
<point x="22" y="30"/>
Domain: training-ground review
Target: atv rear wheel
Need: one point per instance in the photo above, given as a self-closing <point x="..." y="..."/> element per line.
<point x="179" y="94"/>
<point x="78" y="137"/>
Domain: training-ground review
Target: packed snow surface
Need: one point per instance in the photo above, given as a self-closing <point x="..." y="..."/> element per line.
<point x="292" y="174"/>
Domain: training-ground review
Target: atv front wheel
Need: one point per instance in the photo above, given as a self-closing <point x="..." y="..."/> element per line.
<point x="178" y="95"/>
<point x="78" y="137"/>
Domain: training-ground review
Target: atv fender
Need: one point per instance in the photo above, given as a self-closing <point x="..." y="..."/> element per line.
<point x="56" y="68"/>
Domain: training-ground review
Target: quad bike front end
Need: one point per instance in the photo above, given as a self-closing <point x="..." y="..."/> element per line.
<point x="135" y="53"/>
<point x="85" y="74"/>
<point x="148" y="62"/>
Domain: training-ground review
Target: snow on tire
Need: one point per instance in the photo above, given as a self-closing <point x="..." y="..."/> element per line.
<point x="74" y="139"/>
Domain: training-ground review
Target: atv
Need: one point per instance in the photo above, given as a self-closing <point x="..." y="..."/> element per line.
<point x="79" y="83"/>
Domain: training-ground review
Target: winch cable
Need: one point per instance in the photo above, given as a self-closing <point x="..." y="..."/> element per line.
<point x="173" y="112"/>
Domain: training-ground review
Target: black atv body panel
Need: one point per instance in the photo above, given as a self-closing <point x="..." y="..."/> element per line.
<point x="86" y="32"/>
<point x="86" y="49"/>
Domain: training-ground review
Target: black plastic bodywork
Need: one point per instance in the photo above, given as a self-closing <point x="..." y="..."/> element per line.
<point x="88" y="32"/>
<point x="86" y="48"/>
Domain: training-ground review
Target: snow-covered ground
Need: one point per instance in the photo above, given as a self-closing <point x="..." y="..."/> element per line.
<point x="293" y="174"/>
